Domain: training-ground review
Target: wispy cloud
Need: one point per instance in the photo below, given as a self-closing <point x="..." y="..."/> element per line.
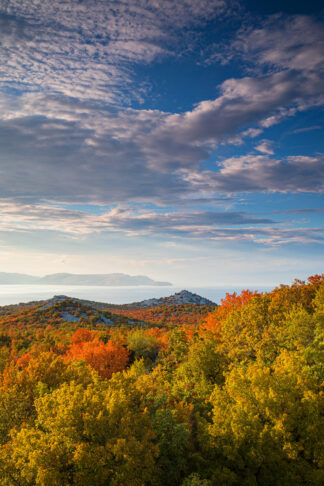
<point x="294" y="43"/>
<point x="307" y="129"/>
<point x="273" y="236"/>
<point x="265" y="147"/>
<point x="303" y="210"/>
<point x="260" y="173"/>
<point x="88" y="49"/>
<point x="25" y="217"/>
<point x="214" y="226"/>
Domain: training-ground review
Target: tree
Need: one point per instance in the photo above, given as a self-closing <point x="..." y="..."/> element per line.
<point x="82" y="436"/>
<point x="143" y="345"/>
<point x="268" y="425"/>
<point x="106" y="359"/>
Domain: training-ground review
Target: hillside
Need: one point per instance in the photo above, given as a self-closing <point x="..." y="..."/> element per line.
<point x="177" y="309"/>
<point x="62" y="309"/>
<point x="181" y="308"/>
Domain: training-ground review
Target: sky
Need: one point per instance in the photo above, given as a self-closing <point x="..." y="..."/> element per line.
<point x="178" y="139"/>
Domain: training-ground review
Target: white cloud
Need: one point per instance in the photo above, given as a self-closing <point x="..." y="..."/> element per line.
<point x="242" y="102"/>
<point x="307" y="129"/>
<point x="260" y="173"/>
<point x="265" y="147"/>
<point x="68" y="150"/>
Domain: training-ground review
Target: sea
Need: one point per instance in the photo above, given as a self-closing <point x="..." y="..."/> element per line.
<point x="15" y="294"/>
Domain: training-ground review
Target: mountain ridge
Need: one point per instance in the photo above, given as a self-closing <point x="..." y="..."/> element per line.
<point x="178" y="298"/>
<point x="95" y="279"/>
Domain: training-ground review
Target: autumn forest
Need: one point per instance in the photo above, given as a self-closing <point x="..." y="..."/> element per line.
<point x="171" y="395"/>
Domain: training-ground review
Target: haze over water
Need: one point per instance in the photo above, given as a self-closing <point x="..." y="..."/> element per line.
<point x="14" y="294"/>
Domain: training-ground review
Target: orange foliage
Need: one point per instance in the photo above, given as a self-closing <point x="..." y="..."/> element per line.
<point x="106" y="359"/>
<point x="190" y="332"/>
<point x="82" y="336"/>
<point x="175" y="315"/>
<point x="233" y="301"/>
<point x="161" y="336"/>
<point x="23" y="361"/>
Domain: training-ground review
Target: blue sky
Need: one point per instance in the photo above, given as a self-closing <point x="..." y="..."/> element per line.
<point x="178" y="139"/>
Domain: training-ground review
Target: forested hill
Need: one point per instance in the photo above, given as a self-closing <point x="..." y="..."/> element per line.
<point x="181" y="308"/>
<point x="178" y="393"/>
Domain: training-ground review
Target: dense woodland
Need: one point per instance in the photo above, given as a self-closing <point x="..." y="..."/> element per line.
<point x="174" y="396"/>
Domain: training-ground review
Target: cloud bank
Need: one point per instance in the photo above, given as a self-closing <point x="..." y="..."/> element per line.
<point x="69" y="132"/>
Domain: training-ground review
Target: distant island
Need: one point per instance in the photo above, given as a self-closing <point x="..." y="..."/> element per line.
<point x="109" y="279"/>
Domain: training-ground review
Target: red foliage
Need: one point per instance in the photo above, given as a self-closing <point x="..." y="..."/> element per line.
<point x="104" y="358"/>
<point x="315" y="279"/>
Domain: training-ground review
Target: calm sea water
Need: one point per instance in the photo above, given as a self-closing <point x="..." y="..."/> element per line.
<point x="14" y="294"/>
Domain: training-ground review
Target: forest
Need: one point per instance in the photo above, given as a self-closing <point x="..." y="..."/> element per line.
<point x="188" y="395"/>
